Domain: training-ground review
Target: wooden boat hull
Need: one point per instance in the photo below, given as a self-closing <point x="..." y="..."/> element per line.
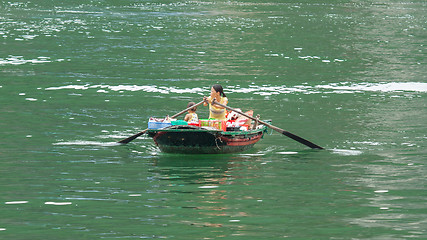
<point x="196" y="140"/>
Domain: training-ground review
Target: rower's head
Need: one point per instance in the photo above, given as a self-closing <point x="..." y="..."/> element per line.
<point x="217" y="89"/>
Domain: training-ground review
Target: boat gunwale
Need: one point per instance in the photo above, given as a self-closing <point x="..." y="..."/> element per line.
<point x="264" y="128"/>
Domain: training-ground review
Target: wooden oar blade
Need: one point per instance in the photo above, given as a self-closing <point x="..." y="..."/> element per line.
<point x="292" y="136"/>
<point x="301" y="140"/>
<point x="131" y="138"/>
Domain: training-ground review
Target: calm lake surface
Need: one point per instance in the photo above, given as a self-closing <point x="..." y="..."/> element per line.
<point x="77" y="76"/>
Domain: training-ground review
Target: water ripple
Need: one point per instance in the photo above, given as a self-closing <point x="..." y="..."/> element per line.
<point x="263" y="90"/>
<point x="86" y="143"/>
<point x="379" y="87"/>
<point x="19" y="60"/>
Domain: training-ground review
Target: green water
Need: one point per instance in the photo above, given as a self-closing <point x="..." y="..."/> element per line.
<point x="77" y="76"/>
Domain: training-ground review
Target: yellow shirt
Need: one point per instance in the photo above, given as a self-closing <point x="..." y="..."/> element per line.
<point x="217" y="112"/>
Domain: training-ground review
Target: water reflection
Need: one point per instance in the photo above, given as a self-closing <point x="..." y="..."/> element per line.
<point x="204" y="184"/>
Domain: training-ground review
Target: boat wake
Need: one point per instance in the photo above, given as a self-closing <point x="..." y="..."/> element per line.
<point x="87" y="143"/>
<point x="346" y="152"/>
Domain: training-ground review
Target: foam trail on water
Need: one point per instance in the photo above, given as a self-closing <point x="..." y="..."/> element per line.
<point x="346" y="152"/>
<point x="87" y="143"/>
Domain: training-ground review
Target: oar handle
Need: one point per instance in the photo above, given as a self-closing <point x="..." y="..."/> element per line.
<point x="286" y="133"/>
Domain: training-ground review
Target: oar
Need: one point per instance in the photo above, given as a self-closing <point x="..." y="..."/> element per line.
<point x="131" y="138"/>
<point x="286" y="133"/>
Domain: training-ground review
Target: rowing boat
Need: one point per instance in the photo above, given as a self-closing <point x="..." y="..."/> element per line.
<point x="168" y="139"/>
<point x="190" y="139"/>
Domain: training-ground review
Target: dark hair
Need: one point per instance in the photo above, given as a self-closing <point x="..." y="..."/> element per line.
<point x="219" y="89"/>
<point x="191" y="104"/>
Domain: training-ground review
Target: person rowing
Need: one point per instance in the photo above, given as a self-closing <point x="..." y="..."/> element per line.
<point x="215" y="111"/>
